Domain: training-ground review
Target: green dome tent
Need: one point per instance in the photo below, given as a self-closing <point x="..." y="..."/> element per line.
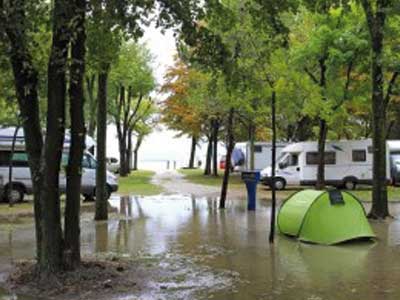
<point x="324" y="217"/>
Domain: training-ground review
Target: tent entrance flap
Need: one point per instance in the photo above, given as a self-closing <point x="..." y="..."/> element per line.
<point x="336" y="197"/>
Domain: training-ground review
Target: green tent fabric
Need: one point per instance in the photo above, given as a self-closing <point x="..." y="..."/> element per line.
<point x="311" y="216"/>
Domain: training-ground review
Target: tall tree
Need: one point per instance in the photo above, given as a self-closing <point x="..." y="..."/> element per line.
<point x="376" y="13"/>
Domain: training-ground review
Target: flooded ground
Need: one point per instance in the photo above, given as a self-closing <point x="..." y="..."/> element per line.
<point x="189" y="249"/>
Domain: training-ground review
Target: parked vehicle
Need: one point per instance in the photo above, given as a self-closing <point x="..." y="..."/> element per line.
<point x="262" y="155"/>
<point x="113" y="165"/>
<point x="347" y="164"/>
<point x="394" y="149"/>
<point x="222" y="162"/>
<point x="21" y="175"/>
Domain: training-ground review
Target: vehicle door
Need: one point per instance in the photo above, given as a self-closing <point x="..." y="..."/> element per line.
<point x="88" y="173"/>
<point x="289" y="169"/>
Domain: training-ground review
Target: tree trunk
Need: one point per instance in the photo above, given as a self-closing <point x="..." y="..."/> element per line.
<point x="26" y="86"/>
<point x="207" y="168"/>
<point x="101" y="171"/>
<point x="52" y="246"/>
<point x="323" y="130"/>
<point x="230" y="146"/>
<point x="136" y="152"/>
<point x="273" y="169"/>
<point x="90" y="84"/>
<point x="192" y="152"/>
<point x="376" y="23"/>
<point x="129" y="153"/>
<point x="72" y="254"/>
<point x="215" y="147"/>
<point x="252" y="144"/>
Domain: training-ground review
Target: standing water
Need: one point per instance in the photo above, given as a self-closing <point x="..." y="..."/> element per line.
<point x="201" y="252"/>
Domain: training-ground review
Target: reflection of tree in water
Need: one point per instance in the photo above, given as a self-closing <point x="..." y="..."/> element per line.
<point x="101" y="237"/>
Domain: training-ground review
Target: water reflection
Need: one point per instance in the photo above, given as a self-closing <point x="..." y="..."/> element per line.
<point x="224" y="254"/>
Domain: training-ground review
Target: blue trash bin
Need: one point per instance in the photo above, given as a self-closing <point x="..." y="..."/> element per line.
<point x="251" y="178"/>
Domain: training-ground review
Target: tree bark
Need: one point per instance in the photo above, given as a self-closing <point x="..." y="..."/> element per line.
<point x="273" y="169"/>
<point x="101" y="171"/>
<point x="323" y="130"/>
<point x="26" y="86"/>
<point x="90" y="85"/>
<point x="136" y="152"/>
<point x="376" y="23"/>
<point x="215" y="147"/>
<point x="230" y="146"/>
<point x="207" y="167"/>
<point x="72" y="255"/>
<point x="129" y="152"/>
<point x="192" y="152"/>
<point x="52" y="246"/>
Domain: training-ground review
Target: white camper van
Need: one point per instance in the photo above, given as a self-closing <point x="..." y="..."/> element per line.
<point x="21" y="175"/>
<point x="262" y="154"/>
<point x="347" y="163"/>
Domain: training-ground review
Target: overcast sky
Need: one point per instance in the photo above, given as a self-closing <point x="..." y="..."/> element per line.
<point x="161" y="144"/>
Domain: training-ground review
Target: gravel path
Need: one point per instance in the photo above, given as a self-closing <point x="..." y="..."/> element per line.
<point x="174" y="182"/>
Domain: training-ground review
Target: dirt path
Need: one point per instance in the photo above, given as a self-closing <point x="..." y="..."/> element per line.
<point x="175" y="183"/>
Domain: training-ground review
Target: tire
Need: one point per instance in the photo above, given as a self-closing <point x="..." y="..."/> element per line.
<point x="93" y="196"/>
<point x="17" y="193"/>
<point x="279" y="184"/>
<point x="350" y="184"/>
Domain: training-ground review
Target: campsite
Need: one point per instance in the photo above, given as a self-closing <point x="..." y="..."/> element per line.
<point x="192" y="150"/>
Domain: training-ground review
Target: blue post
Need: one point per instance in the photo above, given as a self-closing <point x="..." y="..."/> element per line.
<point x="251" y="178"/>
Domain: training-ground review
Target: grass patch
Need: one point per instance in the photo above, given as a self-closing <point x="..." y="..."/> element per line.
<point x="365" y="194"/>
<point x="139" y="183"/>
<point x="196" y="176"/>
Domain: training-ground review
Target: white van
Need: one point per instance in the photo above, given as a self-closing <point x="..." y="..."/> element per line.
<point x="262" y="154"/>
<point x="21" y="175"/>
<point x="347" y="163"/>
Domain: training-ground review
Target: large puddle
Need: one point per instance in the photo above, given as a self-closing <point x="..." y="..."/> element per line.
<point x="202" y="252"/>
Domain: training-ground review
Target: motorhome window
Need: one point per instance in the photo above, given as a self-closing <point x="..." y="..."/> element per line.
<point x="258" y="149"/>
<point x="312" y="158"/>
<point x="295" y="160"/>
<point x="359" y="156"/>
<point x="20" y="159"/>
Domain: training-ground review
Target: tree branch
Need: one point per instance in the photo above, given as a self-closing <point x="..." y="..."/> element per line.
<point x="312" y="76"/>
<point x="389" y="92"/>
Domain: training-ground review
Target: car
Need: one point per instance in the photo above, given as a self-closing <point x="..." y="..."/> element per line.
<point x="22" y="181"/>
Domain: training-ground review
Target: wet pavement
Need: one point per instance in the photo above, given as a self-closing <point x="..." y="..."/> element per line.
<point x="201" y="252"/>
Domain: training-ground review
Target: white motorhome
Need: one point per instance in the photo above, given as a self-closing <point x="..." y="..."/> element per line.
<point x="347" y="163"/>
<point x="262" y="154"/>
<point x="21" y="175"/>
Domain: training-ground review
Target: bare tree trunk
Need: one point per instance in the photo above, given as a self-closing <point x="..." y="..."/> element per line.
<point x="26" y="86"/>
<point x="129" y="152"/>
<point x="192" y="152"/>
<point x="101" y="172"/>
<point x="72" y="254"/>
<point x="52" y="248"/>
<point x="207" y="168"/>
<point x="215" y="147"/>
<point x="136" y="152"/>
<point x="90" y="85"/>
<point x="230" y="146"/>
<point x="321" y="155"/>
<point x="273" y="169"/>
<point x="376" y="23"/>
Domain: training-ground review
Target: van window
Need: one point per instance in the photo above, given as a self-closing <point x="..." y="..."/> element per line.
<point x="290" y="160"/>
<point x="20" y="159"/>
<point x="312" y="158"/>
<point x="258" y="149"/>
<point x="359" y="155"/>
